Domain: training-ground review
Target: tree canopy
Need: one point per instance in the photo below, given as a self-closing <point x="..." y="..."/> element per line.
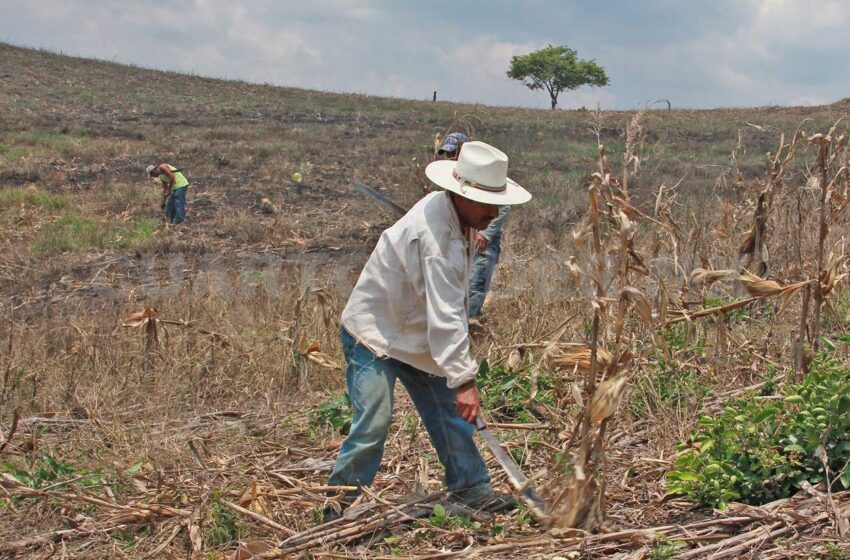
<point x="556" y="69"/>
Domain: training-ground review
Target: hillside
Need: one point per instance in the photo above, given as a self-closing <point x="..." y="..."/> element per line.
<point x="231" y="391"/>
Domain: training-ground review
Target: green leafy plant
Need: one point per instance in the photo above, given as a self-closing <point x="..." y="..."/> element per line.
<point x="834" y="551"/>
<point x="336" y="413"/>
<point x="731" y="316"/>
<point x="45" y="472"/>
<point x="665" y="549"/>
<point x="444" y="520"/>
<point x="506" y="394"/>
<point x="757" y="451"/>
<point x="223" y="526"/>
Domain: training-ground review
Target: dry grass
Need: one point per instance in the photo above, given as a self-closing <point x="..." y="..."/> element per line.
<point x="140" y="446"/>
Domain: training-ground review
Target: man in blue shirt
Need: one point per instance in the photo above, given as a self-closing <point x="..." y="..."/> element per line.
<point x="488" y="242"/>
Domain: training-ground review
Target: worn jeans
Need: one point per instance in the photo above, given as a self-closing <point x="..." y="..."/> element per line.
<point x="483" y="265"/>
<point x="370" y="385"/>
<point x="175" y="206"/>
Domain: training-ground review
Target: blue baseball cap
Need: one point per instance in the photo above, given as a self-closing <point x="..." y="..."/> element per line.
<point x="452" y="142"/>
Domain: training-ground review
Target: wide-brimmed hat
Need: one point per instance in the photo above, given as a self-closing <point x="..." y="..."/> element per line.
<point x="480" y="174"/>
<point x="149" y="169"/>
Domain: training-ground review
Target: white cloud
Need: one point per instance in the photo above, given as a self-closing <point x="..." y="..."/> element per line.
<point x="743" y="52"/>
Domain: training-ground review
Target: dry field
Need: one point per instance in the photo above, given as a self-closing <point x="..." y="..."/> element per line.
<point x="171" y="393"/>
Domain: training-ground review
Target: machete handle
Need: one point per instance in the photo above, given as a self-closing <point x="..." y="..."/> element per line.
<point x="480" y="423"/>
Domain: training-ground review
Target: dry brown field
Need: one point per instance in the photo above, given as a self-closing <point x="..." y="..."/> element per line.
<point x="173" y="392"/>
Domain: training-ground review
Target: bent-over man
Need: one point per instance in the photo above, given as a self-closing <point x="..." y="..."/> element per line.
<point x="407" y="320"/>
<point x="174" y="187"/>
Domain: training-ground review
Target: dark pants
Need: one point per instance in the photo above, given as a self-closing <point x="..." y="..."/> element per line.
<point x="175" y="206"/>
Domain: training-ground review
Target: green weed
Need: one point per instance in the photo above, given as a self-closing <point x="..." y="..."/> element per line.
<point x="506" y="394"/>
<point x="834" y="551"/>
<point x="666" y="549"/>
<point x="45" y="472"/>
<point x="223" y="528"/>
<point x="442" y="519"/>
<point x="336" y="414"/>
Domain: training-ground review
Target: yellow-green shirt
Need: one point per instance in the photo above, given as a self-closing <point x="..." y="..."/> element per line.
<point x="180" y="180"/>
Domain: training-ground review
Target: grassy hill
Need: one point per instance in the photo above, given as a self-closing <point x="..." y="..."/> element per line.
<point x="238" y="386"/>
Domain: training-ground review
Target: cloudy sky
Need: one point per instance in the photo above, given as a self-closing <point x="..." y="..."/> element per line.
<point x="697" y="53"/>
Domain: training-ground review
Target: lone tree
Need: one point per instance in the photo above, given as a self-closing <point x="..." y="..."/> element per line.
<point x="557" y="69"/>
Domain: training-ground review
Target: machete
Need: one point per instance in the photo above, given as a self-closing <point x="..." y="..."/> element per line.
<point x="375" y="195"/>
<point x="532" y="499"/>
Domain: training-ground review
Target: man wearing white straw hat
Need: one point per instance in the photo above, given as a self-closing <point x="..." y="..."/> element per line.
<point x="406" y="319"/>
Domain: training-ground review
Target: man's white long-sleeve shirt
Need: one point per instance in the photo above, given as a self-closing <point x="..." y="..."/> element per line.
<point x="410" y="302"/>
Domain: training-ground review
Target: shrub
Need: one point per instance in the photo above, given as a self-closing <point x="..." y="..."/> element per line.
<point x="336" y="413"/>
<point x="506" y="394"/>
<point x="757" y="451"/>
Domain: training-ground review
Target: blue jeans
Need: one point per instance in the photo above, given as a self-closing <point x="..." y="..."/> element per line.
<point x="483" y="265"/>
<point x="175" y="206"/>
<point x="370" y="385"/>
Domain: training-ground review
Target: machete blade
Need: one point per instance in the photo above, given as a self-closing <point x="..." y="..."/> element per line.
<point x="375" y="195"/>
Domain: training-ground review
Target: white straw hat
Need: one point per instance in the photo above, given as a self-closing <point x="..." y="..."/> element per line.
<point x="480" y="174"/>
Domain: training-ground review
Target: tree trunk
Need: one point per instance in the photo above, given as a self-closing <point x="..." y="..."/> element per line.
<point x="554" y="101"/>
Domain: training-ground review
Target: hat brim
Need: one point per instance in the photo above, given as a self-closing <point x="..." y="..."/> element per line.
<point x="441" y="174"/>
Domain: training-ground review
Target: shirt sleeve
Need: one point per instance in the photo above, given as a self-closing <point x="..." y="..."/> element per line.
<point x="497" y="224"/>
<point x="448" y="338"/>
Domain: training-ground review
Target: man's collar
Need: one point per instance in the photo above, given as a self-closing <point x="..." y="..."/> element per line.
<point x="454" y="218"/>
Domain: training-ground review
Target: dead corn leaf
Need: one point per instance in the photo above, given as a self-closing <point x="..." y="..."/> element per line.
<point x="607" y="397"/>
<point x="829" y="276"/>
<point x="579" y="357"/>
<point x="703" y="277"/>
<point x="314" y="354"/>
<point x="624" y="224"/>
<point x="758" y="287"/>
<point x="514" y="360"/>
<point x="637" y="299"/>
<point x="249" y="550"/>
<point x="141" y="318"/>
<point x="577" y="394"/>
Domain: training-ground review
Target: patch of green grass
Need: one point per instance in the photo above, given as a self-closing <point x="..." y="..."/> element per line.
<point x="663" y="387"/>
<point x="3" y="148"/>
<point x="17" y="197"/>
<point x="77" y="234"/>
<point x="138" y="234"/>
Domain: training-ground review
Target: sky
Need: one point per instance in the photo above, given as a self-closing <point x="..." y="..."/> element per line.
<point x="696" y="53"/>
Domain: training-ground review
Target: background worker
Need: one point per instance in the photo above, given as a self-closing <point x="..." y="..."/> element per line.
<point x="174" y="187"/>
<point x="407" y="320"/>
<point x="488" y="242"/>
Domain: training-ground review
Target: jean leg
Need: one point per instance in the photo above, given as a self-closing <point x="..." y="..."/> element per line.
<point x="169" y="208"/>
<point x="477" y="283"/>
<point x="494" y="249"/>
<point x="370" y="386"/>
<point x="452" y="436"/>
<point x="179" y="205"/>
